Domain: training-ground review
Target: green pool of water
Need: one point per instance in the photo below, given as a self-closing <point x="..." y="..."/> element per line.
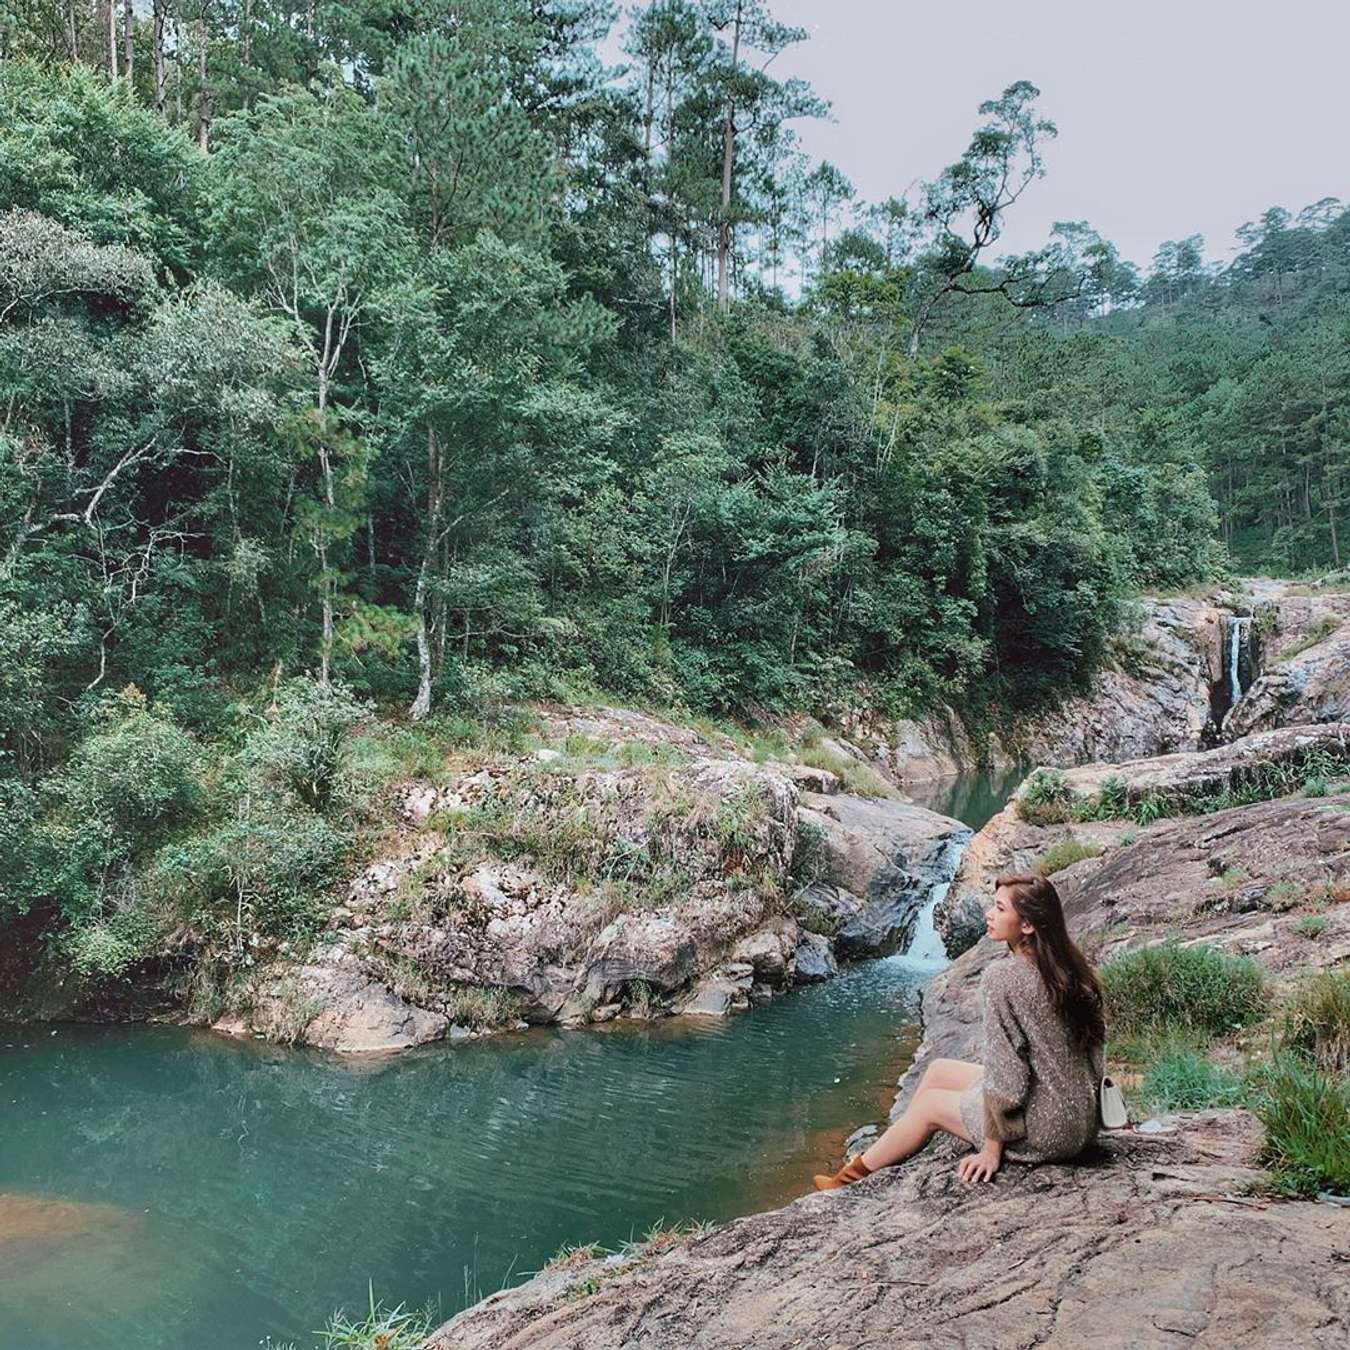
<point x="163" y="1187"/>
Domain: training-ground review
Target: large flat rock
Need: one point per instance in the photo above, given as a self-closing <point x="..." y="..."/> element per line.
<point x="1149" y="1244"/>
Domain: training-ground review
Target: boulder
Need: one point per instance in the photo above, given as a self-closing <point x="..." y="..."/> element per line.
<point x="336" y="1006"/>
<point x="814" y="959"/>
<point x="721" y="993"/>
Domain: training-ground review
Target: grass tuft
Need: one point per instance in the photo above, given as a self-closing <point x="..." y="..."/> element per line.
<point x="1306" y="1114"/>
<point x="1197" y="989"/>
<point x="1064" y="853"/>
<point x="1184" y="1080"/>
<point x="1316" y="1021"/>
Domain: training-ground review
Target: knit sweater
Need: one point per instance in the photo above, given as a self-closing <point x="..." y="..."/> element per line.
<point x="1039" y="1091"/>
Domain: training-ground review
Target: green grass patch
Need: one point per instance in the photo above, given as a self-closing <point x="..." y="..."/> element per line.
<point x="1306" y="1113"/>
<point x="1184" y="1080"/>
<point x="1316" y="1021"/>
<point x="1323" y="628"/>
<point x="1310" y="926"/>
<point x="1196" y="989"/>
<point x="862" y="780"/>
<point x="1064" y="854"/>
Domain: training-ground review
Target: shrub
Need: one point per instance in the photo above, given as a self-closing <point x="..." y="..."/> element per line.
<point x="1310" y="925"/>
<point x="300" y="748"/>
<point x="1306" y="1114"/>
<point x="135" y="775"/>
<point x="1064" y="854"/>
<point x="258" y="870"/>
<point x="109" y="945"/>
<point x="1316" y="1021"/>
<point x="1197" y="988"/>
<point x="1045" y="799"/>
<point x="1184" y="1080"/>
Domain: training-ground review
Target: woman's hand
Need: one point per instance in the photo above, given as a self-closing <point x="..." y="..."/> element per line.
<point x="981" y="1166"/>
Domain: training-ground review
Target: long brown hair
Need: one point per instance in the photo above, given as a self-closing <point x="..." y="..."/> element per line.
<point x="1074" y="992"/>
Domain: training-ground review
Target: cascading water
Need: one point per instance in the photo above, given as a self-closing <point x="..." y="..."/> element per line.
<point x="1235" y="631"/>
<point x="926" y="949"/>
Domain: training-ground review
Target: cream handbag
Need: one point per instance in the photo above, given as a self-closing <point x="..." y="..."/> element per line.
<point x="1111" y="1105"/>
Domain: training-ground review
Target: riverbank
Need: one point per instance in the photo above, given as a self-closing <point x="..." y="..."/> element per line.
<point x="1258" y="891"/>
<point x="1152" y="1243"/>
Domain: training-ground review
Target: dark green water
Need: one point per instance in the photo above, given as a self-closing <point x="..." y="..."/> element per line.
<point x="162" y="1187"/>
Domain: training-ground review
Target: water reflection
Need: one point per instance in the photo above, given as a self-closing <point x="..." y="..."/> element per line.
<point x="268" y="1185"/>
<point x="169" y="1188"/>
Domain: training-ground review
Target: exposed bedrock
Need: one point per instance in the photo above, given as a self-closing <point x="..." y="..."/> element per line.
<point x="1149" y="1243"/>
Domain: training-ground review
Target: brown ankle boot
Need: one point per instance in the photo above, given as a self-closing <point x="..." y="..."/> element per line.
<point x="853" y="1170"/>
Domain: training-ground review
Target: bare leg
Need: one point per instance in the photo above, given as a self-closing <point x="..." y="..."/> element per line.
<point x="954" y="1075"/>
<point x="931" y="1109"/>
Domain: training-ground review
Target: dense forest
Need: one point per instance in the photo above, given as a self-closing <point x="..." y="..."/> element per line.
<point x="407" y="356"/>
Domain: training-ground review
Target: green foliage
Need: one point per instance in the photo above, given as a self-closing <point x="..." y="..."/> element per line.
<point x="414" y="381"/>
<point x="1184" y="1080"/>
<point x="1197" y="988"/>
<point x="1065" y="853"/>
<point x="1306" y="1113"/>
<point x="1045" y="799"/>
<point x="1315" y="1021"/>
<point x="299" y="748"/>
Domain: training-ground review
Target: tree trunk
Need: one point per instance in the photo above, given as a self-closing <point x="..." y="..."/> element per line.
<point x="421" y="704"/>
<point x="128" y="40"/>
<point x="650" y="112"/>
<point x="204" y="91"/>
<point x="321" y="547"/>
<point x="112" y="38"/>
<point x="670" y="158"/>
<point x="728" y="156"/>
<point x="158" y="44"/>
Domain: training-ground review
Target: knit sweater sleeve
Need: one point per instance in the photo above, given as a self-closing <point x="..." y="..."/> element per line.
<point x="1007" y="1072"/>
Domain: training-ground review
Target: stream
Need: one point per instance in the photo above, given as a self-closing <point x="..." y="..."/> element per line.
<point x="162" y="1187"/>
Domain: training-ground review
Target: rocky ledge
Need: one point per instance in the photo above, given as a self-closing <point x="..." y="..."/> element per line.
<point x="1150" y="1242"/>
<point x="628" y="869"/>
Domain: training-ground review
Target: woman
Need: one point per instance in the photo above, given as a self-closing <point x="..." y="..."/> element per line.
<point x="1035" y="1093"/>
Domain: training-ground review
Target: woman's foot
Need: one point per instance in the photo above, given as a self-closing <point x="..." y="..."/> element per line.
<point x="853" y="1170"/>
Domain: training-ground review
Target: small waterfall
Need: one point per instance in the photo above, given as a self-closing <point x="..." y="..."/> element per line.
<point x="926" y="948"/>
<point x="1236" y="628"/>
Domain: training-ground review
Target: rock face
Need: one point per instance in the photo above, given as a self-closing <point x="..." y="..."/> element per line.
<point x="1156" y="698"/>
<point x="1007" y="843"/>
<point x="1305" y="675"/>
<point x="558" y="889"/>
<point x="878" y="861"/>
<point x="1150" y="1243"/>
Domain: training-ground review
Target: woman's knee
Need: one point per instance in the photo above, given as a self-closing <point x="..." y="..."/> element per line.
<point x="947" y="1073"/>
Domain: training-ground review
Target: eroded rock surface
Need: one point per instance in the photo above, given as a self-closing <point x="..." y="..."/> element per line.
<point x="1154" y="699"/>
<point x="1149" y="1243"/>
<point x="565" y="890"/>
<point x="1305" y="665"/>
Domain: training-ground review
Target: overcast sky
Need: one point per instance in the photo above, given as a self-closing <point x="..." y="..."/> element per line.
<point x="1175" y="117"/>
